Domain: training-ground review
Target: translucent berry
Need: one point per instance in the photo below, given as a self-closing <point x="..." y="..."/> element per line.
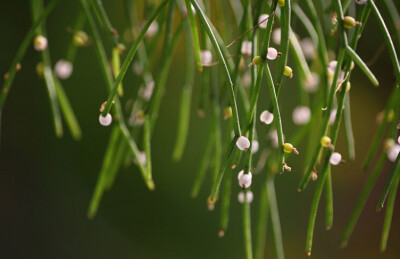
<point x="245" y="180"/>
<point x="63" y="69"/>
<point x="40" y="43"/>
<point x="266" y="117"/>
<point x="243" y="143"/>
<point x="301" y="115"/>
<point x="206" y="57"/>
<point x="262" y="20"/>
<point x="393" y="152"/>
<point x="272" y="53"/>
<point x="246" y="48"/>
<point x="105" y="120"/>
<point x="335" y="158"/>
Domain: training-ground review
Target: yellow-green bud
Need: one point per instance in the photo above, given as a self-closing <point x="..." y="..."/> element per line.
<point x="390" y="115"/>
<point x="281" y="3"/>
<point x="348" y="86"/>
<point x="257" y="60"/>
<point x="80" y="39"/>
<point x="288" y="72"/>
<point x="227" y="112"/>
<point x="349" y="22"/>
<point x="288" y="148"/>
<point x="326" y="142"/>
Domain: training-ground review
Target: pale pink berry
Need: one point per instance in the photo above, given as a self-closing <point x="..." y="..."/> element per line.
<point x="301" y="115"/>
<point x="266" y="117"/>
<point x="263" y="18"/>
<point x="105" y="120"/>
<point x="335" y="158"/>
<point x="63" y="69"/>
<point x="272" y="53"/>
<point x="243" y="143"/>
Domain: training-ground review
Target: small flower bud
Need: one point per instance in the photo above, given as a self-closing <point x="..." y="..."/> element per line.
<point x="245" y="180"/>
<point x="262" y="20"/>
<point x="246" y="48"/>
<point x="335" y="158"/>
<point x="105" y="120"/>
<point x="288" y="148"/>
<point x="272" y="53"/>
<point x="206" y="57"/>
<point x="326" y="142"/>
<point x="349" y="22"/>
<point x="281" y="3"/>
<point x="393" y="152"/>
<point x="63" y="69"/>
<point x="40" y="43"/>
<point x="80" y="39"/>
<point x="227" y="112"/>
<point x="249" y="197"/>
<point x="301" y="115"/>
<point x="288" y="72"/>
<point x="266" y="117"/>
<point x="257" y="60"/>
<point x="243" y="143"/>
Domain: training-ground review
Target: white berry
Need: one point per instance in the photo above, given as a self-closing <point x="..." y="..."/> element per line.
<point x="105" y="120"/>
<point x="393" y="152"/>
<point x="246" y="48"/>
<point x="206" y="57"/>
<point x="276" y="36"/>
<point x="266" y="117"/>
<point x="263" y="18"/>
<point x="272" y="53"/>
<point x="301" y="115"/>
<point x="242" y="172"/>
<point x="63" y="69"/>
<point x="243" y="143"/>
<point x="245" y="180"/>
<point x="335" y="158"/>
<point x="40" y="43"/>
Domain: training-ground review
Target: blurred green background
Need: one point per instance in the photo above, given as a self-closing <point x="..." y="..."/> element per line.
<point x="46" y="183"/>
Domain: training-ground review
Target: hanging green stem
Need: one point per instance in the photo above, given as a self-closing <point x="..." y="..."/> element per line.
<point x="22" y="49"/>
<point x="129" y="57"/>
